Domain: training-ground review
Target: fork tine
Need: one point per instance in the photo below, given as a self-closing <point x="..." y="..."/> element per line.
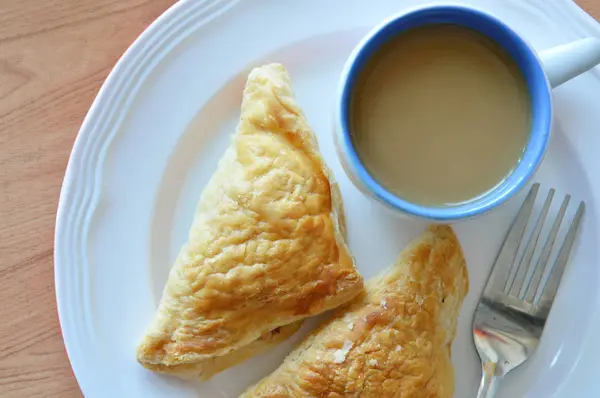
<point x="523" y="274"/>
<point x="506" y="256"/>
<point x="547" y="291"/>
<point x="542" y="262"/>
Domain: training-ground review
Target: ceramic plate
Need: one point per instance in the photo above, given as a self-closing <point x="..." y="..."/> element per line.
<point x="162" y="119"/>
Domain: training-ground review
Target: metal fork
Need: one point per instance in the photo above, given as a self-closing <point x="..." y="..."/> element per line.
<point x="515" y="304"/>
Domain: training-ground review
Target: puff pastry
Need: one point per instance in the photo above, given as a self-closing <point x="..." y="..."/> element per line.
<point x="391" y="341"/>
<point x="266" y="247"/>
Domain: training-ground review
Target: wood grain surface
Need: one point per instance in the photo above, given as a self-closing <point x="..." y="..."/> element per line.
<point x="54" y="55"/>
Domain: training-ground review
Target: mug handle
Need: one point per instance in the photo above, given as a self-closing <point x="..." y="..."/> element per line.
<point x="564" y="62"/>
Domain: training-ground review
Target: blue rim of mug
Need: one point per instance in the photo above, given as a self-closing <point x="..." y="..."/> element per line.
<point x="515" y="46"/>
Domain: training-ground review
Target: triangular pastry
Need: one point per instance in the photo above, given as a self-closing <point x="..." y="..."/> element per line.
<point x="391" y="341"/>
<point x="266" y="247"/>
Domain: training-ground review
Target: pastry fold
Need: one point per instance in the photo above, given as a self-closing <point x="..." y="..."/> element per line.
<point x="266" y="247"/>
<point x="393" y="340"/>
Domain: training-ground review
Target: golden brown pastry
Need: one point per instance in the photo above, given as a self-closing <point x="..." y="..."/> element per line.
<point x="266" y="247"/>
<point x="391" y="341"/>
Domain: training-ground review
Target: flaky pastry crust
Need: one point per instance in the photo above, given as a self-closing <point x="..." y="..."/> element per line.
<point x="266" y="247"/>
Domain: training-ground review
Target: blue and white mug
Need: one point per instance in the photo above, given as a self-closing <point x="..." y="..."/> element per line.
<point x="542" y="72"/>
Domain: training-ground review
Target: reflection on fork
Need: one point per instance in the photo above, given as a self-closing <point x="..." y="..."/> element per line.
<point x="512" y="312"/>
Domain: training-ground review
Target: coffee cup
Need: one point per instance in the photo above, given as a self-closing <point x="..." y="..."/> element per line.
<point x="542" y="72"/>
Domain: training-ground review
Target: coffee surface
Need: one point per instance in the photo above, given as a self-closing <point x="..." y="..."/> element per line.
<point x="440" y="115"/>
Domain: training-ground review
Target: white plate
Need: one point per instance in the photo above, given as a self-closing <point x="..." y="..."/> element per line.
<point x="162" y="119"/>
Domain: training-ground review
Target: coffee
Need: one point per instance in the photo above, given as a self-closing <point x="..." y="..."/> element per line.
<point x="440" y="115"/>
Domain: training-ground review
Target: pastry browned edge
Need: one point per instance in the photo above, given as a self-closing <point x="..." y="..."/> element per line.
<point x="266" y="248"/>
<point x="391" y="341"/>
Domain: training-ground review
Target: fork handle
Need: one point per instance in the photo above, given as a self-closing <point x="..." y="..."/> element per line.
<point x="489" y="380"/>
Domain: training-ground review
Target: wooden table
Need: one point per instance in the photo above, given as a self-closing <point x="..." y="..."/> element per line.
<point x="54" y="55"/>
